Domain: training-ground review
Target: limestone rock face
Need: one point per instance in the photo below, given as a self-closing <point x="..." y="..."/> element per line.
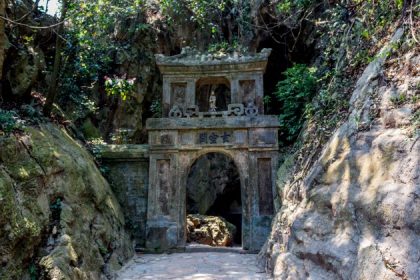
<point x="209" y="230"/>
<point x="58" y="216"/>
<point x="355" y="214"/>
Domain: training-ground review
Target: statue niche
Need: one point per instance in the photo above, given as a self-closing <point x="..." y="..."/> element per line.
<point x="212" y="90"/>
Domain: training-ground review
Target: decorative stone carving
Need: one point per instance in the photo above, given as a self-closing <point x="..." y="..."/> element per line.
<point x="166" y="139"/>
<point x="191" y="111"/>
<point x="251" y="110"/>
<point x="178" y="94"/>
<point x="248" y="91"/>
<point x="265" y="187"/>
<point x="176" y="112"/>
<point x="215" y="137"/>
<point x="164" y="185"/>
<point x="235" y="109"/>
<point x="190" y="56"/>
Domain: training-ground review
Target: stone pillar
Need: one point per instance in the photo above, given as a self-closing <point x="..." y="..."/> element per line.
<point x="234" y="91"/>
<point x="259" y="88"/>
<point x="166" y="96"/>
<point x="162" y="213"/>
<point x="190" y="93"/>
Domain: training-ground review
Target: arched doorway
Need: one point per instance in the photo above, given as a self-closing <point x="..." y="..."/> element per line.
<point x="213" y="189"/>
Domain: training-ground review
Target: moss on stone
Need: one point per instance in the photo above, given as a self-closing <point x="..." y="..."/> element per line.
<point x="36" y="169"/>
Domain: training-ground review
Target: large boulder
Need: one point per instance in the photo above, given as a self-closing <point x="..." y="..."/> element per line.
<point x="209" y="230"/>
<point x="58" y="216"/>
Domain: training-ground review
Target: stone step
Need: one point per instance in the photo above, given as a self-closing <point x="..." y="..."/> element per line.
<point x="199" y="248"/>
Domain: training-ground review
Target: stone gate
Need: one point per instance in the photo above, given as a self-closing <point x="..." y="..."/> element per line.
<point x="211" y="104"/>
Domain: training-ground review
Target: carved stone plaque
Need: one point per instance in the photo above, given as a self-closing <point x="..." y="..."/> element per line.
<point x="178" y="92"/>
<point x="164" y="185"/>
<point x="247" y="91"/>
<point x="215" y="137"/>
<point x="265" y="186"/>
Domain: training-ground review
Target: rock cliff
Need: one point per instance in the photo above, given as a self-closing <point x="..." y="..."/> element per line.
<point x="355" y="213"/>
<point x="58" y="216"/>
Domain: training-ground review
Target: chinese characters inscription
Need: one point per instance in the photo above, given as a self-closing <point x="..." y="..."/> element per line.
<point x="214" y="137"/>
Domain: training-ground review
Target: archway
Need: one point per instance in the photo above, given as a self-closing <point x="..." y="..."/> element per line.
<point x="214" y="189"/>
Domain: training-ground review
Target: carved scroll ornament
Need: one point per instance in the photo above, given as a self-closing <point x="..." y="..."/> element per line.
<point x="236" y="109"/>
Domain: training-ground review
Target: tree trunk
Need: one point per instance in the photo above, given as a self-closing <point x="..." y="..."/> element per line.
<point x="3" y="38"/>
<point x="52" y="90"/>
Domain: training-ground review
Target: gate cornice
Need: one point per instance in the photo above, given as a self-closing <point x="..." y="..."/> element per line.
<point x="263" y="121"/>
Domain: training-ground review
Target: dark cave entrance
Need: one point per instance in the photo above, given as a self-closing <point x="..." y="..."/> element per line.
<point x="214" y="189"/>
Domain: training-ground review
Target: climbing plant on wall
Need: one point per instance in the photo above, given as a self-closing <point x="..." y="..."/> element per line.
<point x="295" y="93"/>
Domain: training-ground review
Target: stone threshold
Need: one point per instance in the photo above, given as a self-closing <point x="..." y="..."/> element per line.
<point x="198" y="248"/>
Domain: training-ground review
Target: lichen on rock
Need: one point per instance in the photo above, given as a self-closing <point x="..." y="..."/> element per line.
<point x="56" y="205"/>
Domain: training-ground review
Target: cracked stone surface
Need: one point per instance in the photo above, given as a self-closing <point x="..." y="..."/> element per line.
<point x="197" y="266"/>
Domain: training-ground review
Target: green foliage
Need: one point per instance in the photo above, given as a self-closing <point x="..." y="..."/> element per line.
<point x="399" y="99"/>
<point x="9" y="121"/>
<point x="33" y="273"/>
<point x="119" y="86"/>
<point x="156" y="107"/>
<point x="286" y="6"/>
<point x="224" y="47"/>
<point x="209" y="16"/>
<point x="200" y="12"/>
<point x="56" y="205"/>
<point x="295" y="92"/>
<point x="91" y="47"/>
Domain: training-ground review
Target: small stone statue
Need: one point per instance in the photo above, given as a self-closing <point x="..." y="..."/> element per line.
<point x="212" y="102"/>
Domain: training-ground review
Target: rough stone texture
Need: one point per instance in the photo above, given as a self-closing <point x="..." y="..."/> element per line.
<point x="356" y="214"/>
<point x="58" y="216"/>
<point x="127" y="170"/>
<point x="209" y="230"/>
<point x="25" y="70"/>
<point x="197" y="266"/>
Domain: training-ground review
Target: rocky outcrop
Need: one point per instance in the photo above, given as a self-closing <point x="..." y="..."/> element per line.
<point x="209" y="230"/>
<point x="58" y="216"/>
<point x="355" y="214"/>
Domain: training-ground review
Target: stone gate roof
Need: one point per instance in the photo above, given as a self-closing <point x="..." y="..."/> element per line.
<point x="190" y="60"/>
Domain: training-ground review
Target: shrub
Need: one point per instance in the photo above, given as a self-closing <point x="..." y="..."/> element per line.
<point x="295" y="92"/>
<point x="8" y="121"/>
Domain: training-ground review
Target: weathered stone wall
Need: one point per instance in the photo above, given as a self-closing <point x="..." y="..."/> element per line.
<point x="127" y="170"/>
